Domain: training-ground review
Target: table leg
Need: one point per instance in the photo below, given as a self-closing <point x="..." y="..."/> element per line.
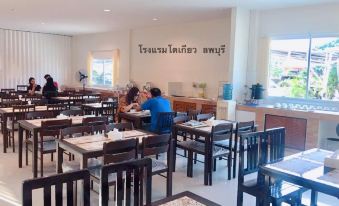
<point x="5" y="132"/>
<point x="175" y="138"/>
<point x="83" y="162"/>
<point x="21" y="136"/>
<point x="60" y="153"/>
<point x="314" y="198"/>
<point x="35" y="154"/>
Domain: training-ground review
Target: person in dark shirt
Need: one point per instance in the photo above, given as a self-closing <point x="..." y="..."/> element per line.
<point x="47" y="76"/>
<point x="156" y="104"/>
<point x="49" y="89"/>
<point x="33" y="87"/>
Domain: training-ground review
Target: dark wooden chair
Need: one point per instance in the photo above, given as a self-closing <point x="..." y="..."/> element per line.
<point x="123" y="126"/>
<point x="40" y="102"/>
<point x="7" y="90"/>
<point x="6" y="100"/>
<point x="276" y="142"/>
<point x="109" y="109"/>
<point x="57" y="181"/>
<point x="21" y="89"/>
<point x="255" y="145"/>
<point x="50" y="131"/>
<point x="91" y="100"/>
<point x="179" y="120"/>
<point x="93" y="121"/>
<point x="18" y="113"/>
<point x="56" y="108"/>
<point x="156" y="145"/>
<point x="76" y="101"/>
<point x="204" y="117"/>
<point x="70" y="113"/>
<point x="79" y="131"/>
<point x="115" y="152"/>
<point x="32" y="97"/>
<point x="134" y="175"/>
<point x="165" y="122"/>
<point x="208" y="148"/>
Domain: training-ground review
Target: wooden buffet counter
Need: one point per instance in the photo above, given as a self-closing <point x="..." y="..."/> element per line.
<point x="302" y="127"/>
<point x="184" y="104"/>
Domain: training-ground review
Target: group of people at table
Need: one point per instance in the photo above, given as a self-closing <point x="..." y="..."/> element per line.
<point x="134" y="100"/>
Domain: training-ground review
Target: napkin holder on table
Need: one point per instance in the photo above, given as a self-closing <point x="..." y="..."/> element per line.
<point x="331" y="162"/>
<point x="61" y="116"/>
<point x="115" y="135"/>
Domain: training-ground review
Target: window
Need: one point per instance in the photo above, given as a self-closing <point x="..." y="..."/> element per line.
<point x="101" y="72"/>
<point x="304" y="68"/>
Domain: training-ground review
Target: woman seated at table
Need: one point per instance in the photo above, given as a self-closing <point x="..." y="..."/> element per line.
<point x="49" y="89"/>
<point x="33" y="87"/>
<point x="131" y="100"/>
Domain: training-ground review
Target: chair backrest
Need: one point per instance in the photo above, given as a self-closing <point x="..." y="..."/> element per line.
<point x="204" y="117"/>
<point x="120" y="150"/>
<point x="222" y="132"/>
<point x="154" y="145"/>
<point x="255" y="146"/>
<point x="180" y="119"/>
<point x="276" y="143"/>
<point x="123" y="126"/>
<point x="39" y="115"/>
<point x="21" y="88"/>
<point x="165" y="122"/>
<point x="75" y="112"/>
<point x="245" y="127"/>
<point x="40" y="102"/>
<point x="32" y="97"/>
<point x="19" y="111"/>
<point x="92" y="121"/>
<point x="57" y="181"/>
<point x="91" y="100"/>
<point x="56" y="124"/>
<point x="57" y="107"/>
<point x="70" y="132"/>
<point x="7" y="98"/>
<point x="109" y="108"/>
<point x="133" y="175"/>
<point x="7" y="90"/>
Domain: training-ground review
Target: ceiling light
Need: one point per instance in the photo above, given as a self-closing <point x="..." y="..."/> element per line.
<point x="155" y="19"/>
<point x="107" y="10"/>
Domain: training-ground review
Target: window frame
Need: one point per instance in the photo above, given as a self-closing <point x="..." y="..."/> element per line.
<point x="91" y="76"/>
<point x="306" y="99"/>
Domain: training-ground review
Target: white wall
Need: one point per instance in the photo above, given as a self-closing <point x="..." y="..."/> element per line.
<point x="187" y="68"/>
<point x="82" y="45"/>
<point x="298" y="21"/>
<point x="29" y="54"/>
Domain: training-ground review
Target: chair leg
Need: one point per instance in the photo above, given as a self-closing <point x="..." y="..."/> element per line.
<point x="229" y="166"/>
<point x="190" y="164"/>
<point x="42" y="165"/>
<point x="52" y="156"/>
<point x="214" y="164"/>
<point x="240" y="197"/>
<point x="195" y="157"/>
<point x="26" y="153"/>
<point x="169" y="184"/>
<point x="13" y="141"/>
<point x="234" y="163"/>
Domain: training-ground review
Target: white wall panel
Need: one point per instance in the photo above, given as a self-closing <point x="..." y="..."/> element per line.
<point x="26" y="54"/>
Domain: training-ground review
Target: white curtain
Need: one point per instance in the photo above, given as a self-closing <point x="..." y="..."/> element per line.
<point x="29" y="54"/>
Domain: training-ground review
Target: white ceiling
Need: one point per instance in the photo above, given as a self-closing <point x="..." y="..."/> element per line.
<point x="72" y="17"/>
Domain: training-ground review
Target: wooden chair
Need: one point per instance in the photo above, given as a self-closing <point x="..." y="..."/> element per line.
<point x="256" y="147"/>
<point x="50" y="131"/>
<point x="276" y="142"/>
<point x="18" y="113"/>
<point x="208" y="148"/>
<point x="32" y="97"/>
<point x="193" y="113"/>
<point x="91" y="100"/>
<point x="56" y="108"/>
<point x="91" y="121"/>
<point x="179" y="120"/>
<point x="21" y="89"/>
<point x="135" y="172"/>
<point x="165" y="122"/>
<point x="157" y="145"/>
<point x="70" y="113"/>
<point x="70" y="179"/>
<point x="115" y="152"/>
<point x="40" y="102"/>
<point x="123" y="126"/>
<point x="109" y="109"/>
<point x="7" y="90"/>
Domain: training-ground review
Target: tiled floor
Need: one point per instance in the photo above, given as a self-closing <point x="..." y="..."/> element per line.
<point x="222" y="191"/>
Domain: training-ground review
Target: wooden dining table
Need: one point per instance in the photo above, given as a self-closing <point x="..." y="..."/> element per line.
<point x="34" y="127"/>
<point x="185" y="199"/>
<point x="135" y="117"/>
<point x="203" y="132"/>
<point x="305" y="169"/>
<point x="86" y="147"/>
<point x="8" y="112"/>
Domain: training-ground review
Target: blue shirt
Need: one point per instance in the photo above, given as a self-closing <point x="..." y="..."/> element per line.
<point x="156" y="105"/>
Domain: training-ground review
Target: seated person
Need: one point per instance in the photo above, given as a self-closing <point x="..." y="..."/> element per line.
<point x="129" y="101"/>
<point x="55" y="83"/>
<point x="49" y="89"/>
<point x="156" y="104"/>
<point x="33" y="87"/>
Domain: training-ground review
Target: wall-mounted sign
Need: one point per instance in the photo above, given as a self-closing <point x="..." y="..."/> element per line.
<point x="183" y="49"/>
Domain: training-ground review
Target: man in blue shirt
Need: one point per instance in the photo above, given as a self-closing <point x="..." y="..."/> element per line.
<point x="156" y="104"/>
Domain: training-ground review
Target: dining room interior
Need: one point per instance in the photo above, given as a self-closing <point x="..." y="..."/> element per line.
<point x="169" y="103"/>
